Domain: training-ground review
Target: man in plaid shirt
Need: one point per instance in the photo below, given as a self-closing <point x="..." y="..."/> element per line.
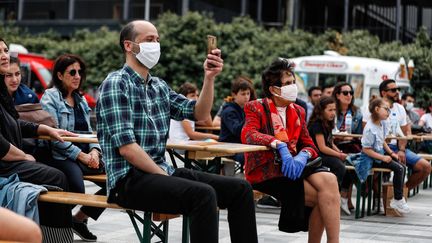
<point x="133" y="116"/>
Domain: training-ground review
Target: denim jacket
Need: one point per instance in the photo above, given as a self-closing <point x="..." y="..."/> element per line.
<point x="357" y="118"/>
<point x="53" y="102"/>
<point x="20" y="197"/>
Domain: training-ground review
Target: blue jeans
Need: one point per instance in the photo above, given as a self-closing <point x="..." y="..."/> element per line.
<point x="411" y="157"/>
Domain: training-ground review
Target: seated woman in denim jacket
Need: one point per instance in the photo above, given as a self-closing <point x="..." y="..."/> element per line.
<point x="71" y="112"/>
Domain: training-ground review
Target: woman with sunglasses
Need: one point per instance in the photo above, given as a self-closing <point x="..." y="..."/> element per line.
<point x="343" y="93"/>
<point x="71" y="112"/>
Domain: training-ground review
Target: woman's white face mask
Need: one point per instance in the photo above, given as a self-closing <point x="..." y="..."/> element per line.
<point x="288" y="92"/>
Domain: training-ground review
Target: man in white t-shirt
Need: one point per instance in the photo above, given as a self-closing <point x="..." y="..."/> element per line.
<point x="421" y="167"/>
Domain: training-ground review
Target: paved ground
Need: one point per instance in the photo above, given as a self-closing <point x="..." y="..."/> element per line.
<point x="114" y="226"/>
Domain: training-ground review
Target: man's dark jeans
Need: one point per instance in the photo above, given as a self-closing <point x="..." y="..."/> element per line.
<point x="196" y="195"/>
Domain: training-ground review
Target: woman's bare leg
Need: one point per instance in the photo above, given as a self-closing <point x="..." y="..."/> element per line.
<point x="316" y="226"/>
<point x="328" y="201"/>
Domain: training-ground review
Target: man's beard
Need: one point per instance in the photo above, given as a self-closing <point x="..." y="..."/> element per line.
<point x="392" y="99"/>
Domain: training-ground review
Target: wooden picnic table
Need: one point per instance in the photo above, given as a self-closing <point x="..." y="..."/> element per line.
<point x="195" y="150"/>
<point x="201" y="150"/>
<point x="212" y="128"/>
<point x="410" y="137"/>
<point x="86" y="138"/>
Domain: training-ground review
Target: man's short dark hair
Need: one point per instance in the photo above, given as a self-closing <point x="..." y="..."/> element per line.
<point x="327" y="86"/>
<point x="311" y="89"/>
<point x="406" y="95"/>
<point x="383" y="85"/>
<point x="127" y="33"/>
<point x="187" y="88"/>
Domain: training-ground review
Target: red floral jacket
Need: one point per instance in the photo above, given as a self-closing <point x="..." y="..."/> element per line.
<point x="261" y="166"/>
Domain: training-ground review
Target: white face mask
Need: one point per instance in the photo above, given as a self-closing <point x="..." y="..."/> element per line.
<point x="149" y="54"/>
<point x="288" y="92"/>
<point x="409" y="106"/>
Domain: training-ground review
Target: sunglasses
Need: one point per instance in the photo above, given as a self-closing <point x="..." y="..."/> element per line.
<point x="73" y="72"/>
<point x="394" y="90"/>
<point x="346" y="92"/>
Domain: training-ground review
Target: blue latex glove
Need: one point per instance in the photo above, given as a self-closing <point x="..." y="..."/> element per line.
<point x="300" y="161"/>
<point x="287" y="160"/>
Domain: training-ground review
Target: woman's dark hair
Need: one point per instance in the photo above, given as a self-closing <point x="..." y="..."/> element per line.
<point x="372" y="105"/>
<point x="337" y="90"/>
<point x="426" y="104"/>
<point x="272" y="74"/>
<point x="5" y="99"/>
<point x="13" y="60"/>
<point x="187" y="88"/>
<point x="60" y="66"/>
<point x="318" y="113"/>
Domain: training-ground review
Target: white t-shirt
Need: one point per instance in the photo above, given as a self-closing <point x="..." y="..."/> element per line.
<point x="177" y="132"/>
<point x="427" y="119"/>
<point x="401" y="116"/>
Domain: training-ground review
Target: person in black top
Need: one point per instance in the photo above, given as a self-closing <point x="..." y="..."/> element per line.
<point x="233" y="116"/>
<point x="320" y="129"/>
<point x="55" y="219"/>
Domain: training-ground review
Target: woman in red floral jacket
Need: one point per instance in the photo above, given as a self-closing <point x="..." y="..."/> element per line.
<point x="310" y="198"/>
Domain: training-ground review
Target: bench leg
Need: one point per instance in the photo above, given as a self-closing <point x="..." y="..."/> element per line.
<point x="145" y="236"/>
<point x="369" y="195"/>
<point x="379" y="192"/>
<point x="185" y="231"/>
<point x="150" y="229"/>
<point x="358" y="197"/>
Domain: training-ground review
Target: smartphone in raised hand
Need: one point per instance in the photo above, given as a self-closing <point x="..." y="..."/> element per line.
<point x="211" y="43"/>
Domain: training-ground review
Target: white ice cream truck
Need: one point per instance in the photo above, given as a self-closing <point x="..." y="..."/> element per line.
<point x="364" y="74"/>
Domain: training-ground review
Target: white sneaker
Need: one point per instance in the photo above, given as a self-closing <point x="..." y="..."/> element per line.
<point x="344" y="206"/>
<point x="400" y="205"/>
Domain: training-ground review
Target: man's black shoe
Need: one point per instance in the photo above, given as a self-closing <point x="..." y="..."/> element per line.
<point x="80" y="229"/>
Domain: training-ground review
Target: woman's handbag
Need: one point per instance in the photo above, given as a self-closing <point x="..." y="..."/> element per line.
<point x="34" y="113"/>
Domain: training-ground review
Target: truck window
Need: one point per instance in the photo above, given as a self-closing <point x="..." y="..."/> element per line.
<point x="308" y="79"/>
<point x="46" y="75"/>
<point x="25" y="74"/>
<point x="357" y="82"/>
<point x="331" y="78"/>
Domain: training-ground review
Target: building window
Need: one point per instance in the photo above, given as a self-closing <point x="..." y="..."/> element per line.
<point x="98" y="9"/>
<point x="45" y="9"/>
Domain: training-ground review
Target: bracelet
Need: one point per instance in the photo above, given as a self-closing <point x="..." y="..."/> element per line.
<point x="402" y="150"/>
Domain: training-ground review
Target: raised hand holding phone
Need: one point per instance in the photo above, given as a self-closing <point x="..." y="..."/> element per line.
<point x="211" y="43"/>
<point x="214" y="63"/>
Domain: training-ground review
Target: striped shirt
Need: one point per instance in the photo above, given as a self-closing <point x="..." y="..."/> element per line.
<point x="132" y="110"/>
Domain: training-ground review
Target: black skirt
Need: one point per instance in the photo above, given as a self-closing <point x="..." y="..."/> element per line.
<point x="294" y="215"/>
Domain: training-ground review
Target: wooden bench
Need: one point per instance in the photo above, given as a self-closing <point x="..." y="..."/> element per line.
<point x="369" y="195"/>
<point x="149" y="228"/>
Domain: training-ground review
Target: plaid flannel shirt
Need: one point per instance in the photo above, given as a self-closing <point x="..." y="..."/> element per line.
<point x="131" y="110"/>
